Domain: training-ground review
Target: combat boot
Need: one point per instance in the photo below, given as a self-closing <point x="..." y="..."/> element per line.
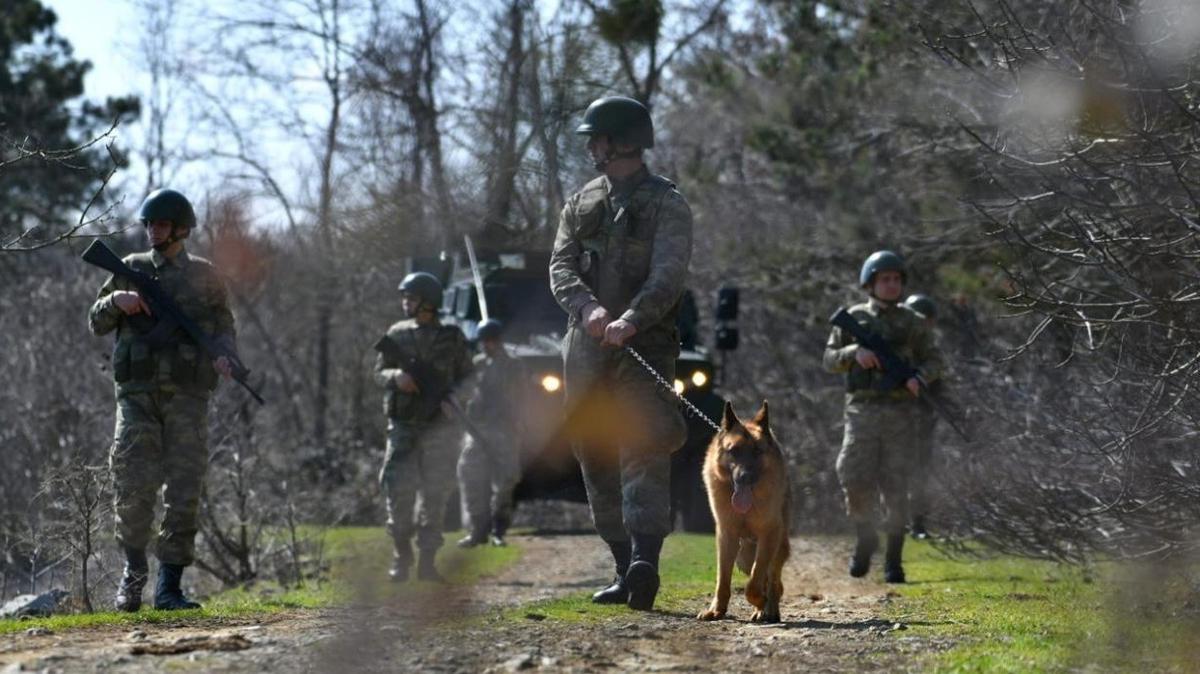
<point x="133" y="581"/>
<point x="167" y="594"/>
<point x="426" y="569"/>
<point x="401" y="560"/>
<point x="893" y="571"/>
<point x="868" y="541"/>
<point x="478" y="536"/>
<point x="919" y="532"/>
<point x="616" y="593"/>
<point x="499" y="528"/>
<point x="642" y="577"/>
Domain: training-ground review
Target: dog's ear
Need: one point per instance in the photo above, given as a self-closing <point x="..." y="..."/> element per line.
<point x="762" y="419"/>
<point x="729" y="420"/>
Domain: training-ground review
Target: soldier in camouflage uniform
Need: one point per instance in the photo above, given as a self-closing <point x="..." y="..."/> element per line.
<point x="488" y="472"/>
<point x="923" y="431"/>
<point x="877" y="450"/>
<point x="162" y="388"/>
<point x="419" y="361"/>
<point x="618" y="267"/>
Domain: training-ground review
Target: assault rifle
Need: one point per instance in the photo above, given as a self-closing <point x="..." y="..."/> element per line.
<point x="433" y="389"/>
<point x="170" y="316"/>
<point x="896" y="370"/>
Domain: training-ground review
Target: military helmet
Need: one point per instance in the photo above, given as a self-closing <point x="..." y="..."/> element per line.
<point x="167" y="204"/>
<point x="881" y="260"/>
<point x="489" y="329"/>
<point x="922" y="304"/>
<point x="425" y="286"/>
<point x="623" y="119"/>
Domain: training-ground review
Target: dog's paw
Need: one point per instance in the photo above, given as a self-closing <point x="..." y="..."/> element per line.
<point x="770" y="617"/>
<point x="757" y="616"/>
<point x="711" y="614"/>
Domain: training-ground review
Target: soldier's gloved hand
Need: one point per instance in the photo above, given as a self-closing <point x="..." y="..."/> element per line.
<point x="913" y="386"/>
<point x="224" y="367"/>
<point x="618" y="332"/>
<point x="130" y="302"/>
<point x="406" y="383"/>
<point x="595" y="319"/>
<point x="867" y="359"/>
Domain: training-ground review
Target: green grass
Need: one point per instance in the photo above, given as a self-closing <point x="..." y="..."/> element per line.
<point x="688" y="569"/>
<point x="359" y="558"/>
<point x="1016" y="615"/>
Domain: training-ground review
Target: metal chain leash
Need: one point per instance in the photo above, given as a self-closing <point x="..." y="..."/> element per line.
<point x="695" y="411"/>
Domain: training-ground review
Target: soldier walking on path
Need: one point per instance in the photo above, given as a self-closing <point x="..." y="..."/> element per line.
<point x="618" y="267"/>
<point x="923" y="435"/>
<point x="163" y="383"/>
<point x="489" y="471"/>
<point x="877" y="449"/>
<point x="419" y="362"/>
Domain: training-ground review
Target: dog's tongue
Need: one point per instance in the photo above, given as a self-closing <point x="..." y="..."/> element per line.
<point x="743" y="499"/>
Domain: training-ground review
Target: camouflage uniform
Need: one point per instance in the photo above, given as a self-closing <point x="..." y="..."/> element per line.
<point x="487" y="474"/>
<point x="626" y="246"/>
<point x="878" y="448"/>
<point x="162" y="403"/>
<point x="418" y="469"/>
<point x="924" y="425"/>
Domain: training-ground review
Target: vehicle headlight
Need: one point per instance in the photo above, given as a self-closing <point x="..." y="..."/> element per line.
<point x="551" y="383"/>
<point x="699" y="378"/>
<point x="679" y="386"/>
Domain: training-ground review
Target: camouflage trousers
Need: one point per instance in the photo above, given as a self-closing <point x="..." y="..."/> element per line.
<point x="417" y="478"/>
<point x="925" y="422"/>
<point x="876" y="456"/>
<point x="487" y="475"/>
<point x="625" y="428"/>
<point x="160" y="444"/>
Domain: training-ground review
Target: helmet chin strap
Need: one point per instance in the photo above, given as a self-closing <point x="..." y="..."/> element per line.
<point x="611" y="154"/>
<point x="166" y="244"/>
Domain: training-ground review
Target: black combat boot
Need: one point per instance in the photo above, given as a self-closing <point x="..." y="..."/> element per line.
<point x="478" y="536"/>
<point x="919" y="532"/>
<point x="167" y="594"/>
<point x="642" y="577"/>
<point x="893" y="571"/>
<point x="426" y="569"/>
<point x="616" y="593"/>
<point x="868" y="542"/>
<point x="499" y="529"/>
<point x="401" y="560"/>
<point x="133" y="581"/>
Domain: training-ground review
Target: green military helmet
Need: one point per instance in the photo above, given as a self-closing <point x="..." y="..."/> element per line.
<point x="489" y="329"/>
<point x="425" y="286"/>
<point x="623" y="119"/>
<point x="167" y="204"/>
<point x="922" y="304"/>
<point x="881" y="260"/>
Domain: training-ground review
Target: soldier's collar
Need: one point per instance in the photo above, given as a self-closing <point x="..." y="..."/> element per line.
<point x="160" y="260"/>
<point x="627" y="184"/>
<point x="879" y="305"/>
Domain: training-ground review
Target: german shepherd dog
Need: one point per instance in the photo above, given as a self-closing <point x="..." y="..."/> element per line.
<point x="748" y="489"/>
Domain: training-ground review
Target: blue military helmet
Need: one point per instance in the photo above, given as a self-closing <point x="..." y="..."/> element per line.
<point x="425" y="286"/>
<point x="881" y="260"/>
<point x="489" y="329"/>
<point x="922" y="304"/>
<point x="167" y="204"/>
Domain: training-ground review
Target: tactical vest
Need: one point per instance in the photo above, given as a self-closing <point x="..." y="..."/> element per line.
<point x="147" y="359"/>
<point x="431" y="362"/>
<point x="898" y="332"/>
<point x="617" y="237"/>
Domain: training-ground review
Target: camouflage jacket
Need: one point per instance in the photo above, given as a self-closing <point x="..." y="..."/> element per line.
<point x="500" y="387"/>
<point x="435" y="355"/>
<point x="178" y="364"/>
<point x="626" y="246"/>
<point x="903" y="328"/>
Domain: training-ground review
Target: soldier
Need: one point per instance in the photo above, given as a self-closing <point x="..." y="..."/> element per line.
<point x="488" y="472"/>
<point x="926" y="423"/>
<point x="877" y="449"/>
<point x="163" y="384"/>
<point x="419" y="362"/>
<point x="619" y="264"/>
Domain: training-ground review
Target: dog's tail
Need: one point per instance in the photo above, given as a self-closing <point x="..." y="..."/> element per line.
<point x="746" y="552"/>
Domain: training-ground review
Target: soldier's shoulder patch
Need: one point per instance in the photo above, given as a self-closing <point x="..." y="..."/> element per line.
<point x="139" y="259"/>
<point x="401" y="326"/>
<point x="860" y="309"/>
<point x="479" y="359"/>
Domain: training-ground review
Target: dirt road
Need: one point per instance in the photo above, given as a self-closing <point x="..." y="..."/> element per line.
<point x="832" y="624"/>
